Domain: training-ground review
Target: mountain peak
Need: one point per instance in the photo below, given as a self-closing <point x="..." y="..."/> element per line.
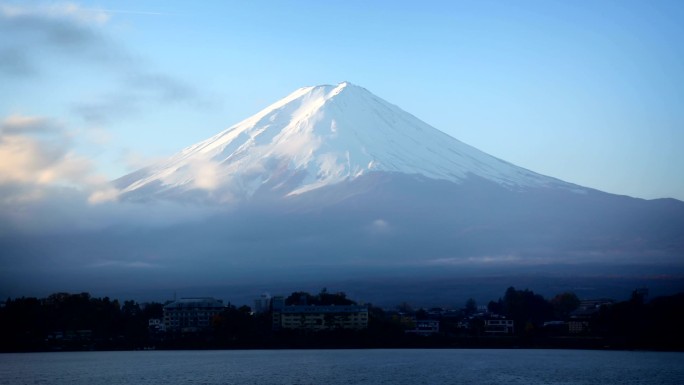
<point x="349" y="86"/>
<point x="319" y="136"/>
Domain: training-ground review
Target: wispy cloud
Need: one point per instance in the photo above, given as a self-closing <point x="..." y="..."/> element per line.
<point x="39" y="149"/>
<point x="203" y="173"/>
<point x="36" y="152"/>
<point x="137" y="88"/>
<point x="129" y="12"/>
<point x="22" y="124"/>
<point x="504" y="259"/>
<point x="104" y="108"/>
<point x="15" y="62"/>
<point x="31" y="159"/>
<point x="73" y="33"/>
<point x="166" y="88"/>
<point x="57" y="10"/>
<point x="379" y="227"/>
<point x="124" y="264"/>
<point x="56" y="29"/>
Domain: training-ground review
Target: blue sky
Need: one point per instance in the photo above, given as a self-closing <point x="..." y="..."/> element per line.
<point x="591" y="92"/>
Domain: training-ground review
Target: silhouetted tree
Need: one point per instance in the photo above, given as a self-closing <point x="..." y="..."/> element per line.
<point x="405" y="308"/>
<point x="470" y="306"/>
<point x="495" y="307"/>
<point x="323" y="298"/>
<point x="564" y="304"/>
<point x="300" y="298"/>
<point x="527" y="309"/>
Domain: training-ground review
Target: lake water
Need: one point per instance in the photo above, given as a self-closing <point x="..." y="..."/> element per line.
<point x="333" y="367"/>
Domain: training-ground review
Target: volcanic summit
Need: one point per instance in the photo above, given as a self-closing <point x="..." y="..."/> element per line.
<point x="317" y="137"/>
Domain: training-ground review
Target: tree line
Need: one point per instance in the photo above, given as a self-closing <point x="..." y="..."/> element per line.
<point x="64" y="321"/>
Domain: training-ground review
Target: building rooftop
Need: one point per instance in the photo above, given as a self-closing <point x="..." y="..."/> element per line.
<point x="322" y="309"/>
<point x="201" y="302"/>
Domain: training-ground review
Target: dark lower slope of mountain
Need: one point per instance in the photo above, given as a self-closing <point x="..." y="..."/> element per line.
<point x="426" y="220"/>
<point x="379" y="231"/>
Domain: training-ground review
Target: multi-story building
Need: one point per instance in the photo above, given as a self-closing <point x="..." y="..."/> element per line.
<point x="155" y="325"/>
<point x="424" y="327"/>
<point x="582" y="318"/>
<point x="499" y="326"/>
<point x="318" y="317"/>
<point x="190" y="315"/>
<point x="262" y="304"/>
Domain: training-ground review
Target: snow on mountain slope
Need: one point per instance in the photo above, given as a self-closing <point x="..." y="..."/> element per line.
<point x="315" y="137"/>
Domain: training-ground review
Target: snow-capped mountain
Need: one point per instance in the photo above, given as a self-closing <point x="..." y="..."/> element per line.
<point x="334" y="186"/>
<point x="358" y="176"/>
<point x="316" y="137"/>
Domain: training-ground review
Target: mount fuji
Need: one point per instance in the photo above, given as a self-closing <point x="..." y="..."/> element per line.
<point x="338" y="176"/>
<point x="318" y="137"/>
<point x="334" y="187"/>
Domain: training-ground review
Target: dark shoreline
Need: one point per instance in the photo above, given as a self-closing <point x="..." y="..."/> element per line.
<point x="78" y="322"/>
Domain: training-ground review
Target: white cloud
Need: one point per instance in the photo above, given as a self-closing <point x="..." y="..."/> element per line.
<point x="125" y="264"/>
<point x="379" y="227"/>
<point x="106" y="193"/>
<point x="85" y="15"/>
<point x="38" y="159"/>
<point x="35" y="152"/>
<point x="502" y="259"/>
<point x="201" y="173"/>
<point x="66" y="31"/>
<point x="40" y="33"/>
<point x="57" y="10"/>
<point x="22" y="124"/>
<point x="380" y="224"/>
<point x="206" y="174"/>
